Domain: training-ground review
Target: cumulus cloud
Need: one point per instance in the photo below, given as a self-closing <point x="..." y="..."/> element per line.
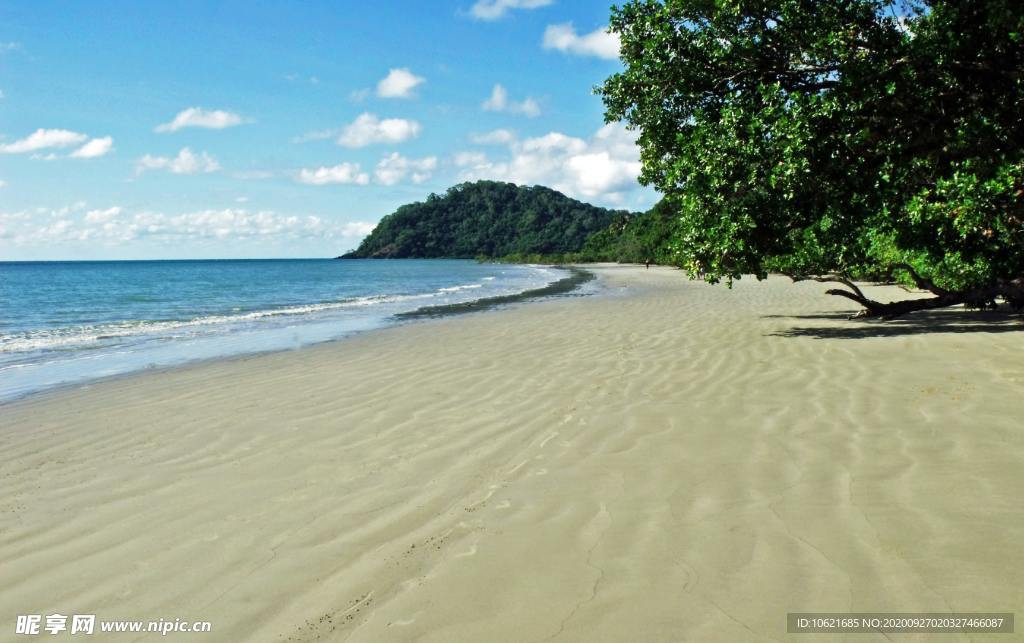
<point x="494" y="137"/>
<point x="395" y="168"/>
<point x="600" y="43"/>
<point x="186" y="162"/>
<point x="495" y="9"/>
<point x="42" y="139"/>
<point x="116" y="225"/>
<point x="602" y="168"/>
<point x="199" y="117"/>
<point x="499" y="102"/>
<point x="399" y="83"/>
<point x="95" y="148"/>
<point x="350" y="173"/>
<point x="368" y="129"/>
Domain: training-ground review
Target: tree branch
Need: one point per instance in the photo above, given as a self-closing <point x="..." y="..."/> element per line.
<point x="921" y="282"/>
<point x="832" y="278"/>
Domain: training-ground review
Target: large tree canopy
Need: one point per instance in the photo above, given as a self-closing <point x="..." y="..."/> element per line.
<point x="834" y="139"/>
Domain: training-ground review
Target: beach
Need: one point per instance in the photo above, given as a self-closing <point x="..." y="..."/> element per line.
<point x="664" y="460"/>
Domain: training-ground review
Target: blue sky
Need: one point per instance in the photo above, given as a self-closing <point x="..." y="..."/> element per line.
<point x="241" y="129"/>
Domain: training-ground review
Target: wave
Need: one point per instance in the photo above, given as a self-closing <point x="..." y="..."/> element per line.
<point x="458" y="288"/>
<point x="79" y="337"/>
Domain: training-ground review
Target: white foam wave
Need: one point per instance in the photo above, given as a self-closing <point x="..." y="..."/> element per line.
<point x="458" y="288"/>
<point x="80" y="336"/>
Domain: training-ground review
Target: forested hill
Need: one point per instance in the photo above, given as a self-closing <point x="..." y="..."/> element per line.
<point x="485" y="218"/>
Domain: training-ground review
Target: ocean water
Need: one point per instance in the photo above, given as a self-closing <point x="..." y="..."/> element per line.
<point x="69" y="322"/>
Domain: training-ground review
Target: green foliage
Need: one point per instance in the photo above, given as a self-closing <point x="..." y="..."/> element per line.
<point x="486" y="219"/>
<point x="558" y="258"/>
<point x="818" y="136"/>
<point x="635" y="238"/>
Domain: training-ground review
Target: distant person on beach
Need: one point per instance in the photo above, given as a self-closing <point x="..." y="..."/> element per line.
<point x="647" y="264"/>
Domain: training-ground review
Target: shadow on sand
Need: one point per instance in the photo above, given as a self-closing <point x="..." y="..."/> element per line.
<point x="923" y="322"/>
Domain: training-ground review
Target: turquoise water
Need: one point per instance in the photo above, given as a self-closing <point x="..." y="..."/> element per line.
<point x="68" y="322"/>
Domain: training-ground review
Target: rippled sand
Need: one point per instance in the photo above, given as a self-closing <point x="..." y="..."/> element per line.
<point x="668" y="461"/>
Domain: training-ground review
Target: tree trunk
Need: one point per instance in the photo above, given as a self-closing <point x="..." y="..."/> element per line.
<point x="897" y="308"/>
<point x="983" y="297"/>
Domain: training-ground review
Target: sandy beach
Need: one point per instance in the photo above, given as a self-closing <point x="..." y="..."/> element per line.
<point x="664" y="461"/>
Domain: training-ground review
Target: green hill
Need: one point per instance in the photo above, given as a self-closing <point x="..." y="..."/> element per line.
<point x="486" y="218"/>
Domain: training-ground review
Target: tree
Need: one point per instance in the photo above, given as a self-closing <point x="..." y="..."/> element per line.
<point x="834" y="140"/>
<point x="634" y="238"/>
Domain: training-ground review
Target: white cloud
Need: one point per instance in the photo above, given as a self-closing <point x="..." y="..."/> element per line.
<point x="103" y="216"/>
<point x="494" y="137"/>
<point x="343" y="173"/>
<point x="43" y="139"/>
<point x="3" y="183"/>
<point x="399" y="83"/>
<point x="499" y="102"/>
<point x="471" y="159"/>
<point x="598" y="43"/>
<point x="95" y="148"/>
<point x="356" y="229"/>
<point x="603" y="168"/>
<point x="186" y="162"/>
<point x="494" y="9"/>
<point x="9" y="46"/>
<point x="115" y="225"/>
<point x="368" y="129"/>
<point x="199" y="117"/>
<point x="395" y="168"/>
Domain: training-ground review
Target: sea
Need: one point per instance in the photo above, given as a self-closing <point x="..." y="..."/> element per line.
<point x="67" y="323"/>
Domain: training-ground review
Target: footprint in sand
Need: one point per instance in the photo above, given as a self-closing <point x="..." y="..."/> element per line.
<point x="540" y="472"/>
<point x="504" y="504"/>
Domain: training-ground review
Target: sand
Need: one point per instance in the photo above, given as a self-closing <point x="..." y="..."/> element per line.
<point x="665" y="461"/>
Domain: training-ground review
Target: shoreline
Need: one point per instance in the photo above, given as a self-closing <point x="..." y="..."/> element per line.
<point x="670" y="460"/>
<point x="577" y="278"/>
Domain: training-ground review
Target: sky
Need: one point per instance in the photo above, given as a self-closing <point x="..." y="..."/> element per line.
<point x="288" y="129"/>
